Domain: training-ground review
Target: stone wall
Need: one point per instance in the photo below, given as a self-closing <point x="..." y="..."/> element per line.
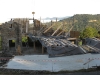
<point x="24" y="24"/>
<point x="10" y="31"/>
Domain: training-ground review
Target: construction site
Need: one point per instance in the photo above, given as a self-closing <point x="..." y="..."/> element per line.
<point x="46" y="48"/>
<point x="41" y="38"/>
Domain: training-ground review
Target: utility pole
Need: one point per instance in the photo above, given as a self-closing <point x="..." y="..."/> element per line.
<point x="34" y="30"/>
<point x="51" y="22"/>
<point x="56" y="21"/>
<point x="33" y="22"/>
<point x="18" y="39"/>
<point x="40" y="21"/>
<point x="73" y="20"/>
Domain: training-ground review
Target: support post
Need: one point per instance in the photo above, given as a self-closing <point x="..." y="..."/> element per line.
<point x="34" y="47"/>
<point x="56" y="21"/>
<point x="19" y="50"/>
<point x="42" y="50"/>
<point x="51" y="22"/>
<point x="40" y="21"/>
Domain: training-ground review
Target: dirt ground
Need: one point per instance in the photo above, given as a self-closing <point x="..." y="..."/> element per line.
<point x="31" y="51"/>
<point x="4" y="57"/>
<point x="27" y="51"/>
<point x="26" y="72"/>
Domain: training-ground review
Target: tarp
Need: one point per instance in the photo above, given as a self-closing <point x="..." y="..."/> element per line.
<point x="57" y="46"/>
<point x="93" y="42"/>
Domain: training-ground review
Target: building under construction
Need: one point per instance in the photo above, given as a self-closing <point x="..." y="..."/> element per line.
<point x="43" y="38"/>
<point x="44" y="42"/>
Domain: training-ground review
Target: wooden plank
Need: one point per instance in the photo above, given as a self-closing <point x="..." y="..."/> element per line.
<point x="56" y="30"/>
<point x="48" y="28"/>
<point x="62" y="31"/>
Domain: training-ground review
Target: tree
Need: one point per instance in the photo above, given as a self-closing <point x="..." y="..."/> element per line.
<point x="24" y="39"/>
<point x="89" y="32"/>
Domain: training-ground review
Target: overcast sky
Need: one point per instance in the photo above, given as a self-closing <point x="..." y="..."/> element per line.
<point x="46" y="8"/>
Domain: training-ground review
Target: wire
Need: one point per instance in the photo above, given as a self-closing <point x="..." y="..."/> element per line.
<point x="33" y="5"/>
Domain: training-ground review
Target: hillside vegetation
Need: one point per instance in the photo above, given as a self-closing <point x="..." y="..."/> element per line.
<point x="81" y="21"/>
<point x="84" y="23"/>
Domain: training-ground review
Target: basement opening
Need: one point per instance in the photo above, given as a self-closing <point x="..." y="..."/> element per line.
<point x="30" y="42"/>
<point x="11" y="43"/>
<point x="39" y="47"/>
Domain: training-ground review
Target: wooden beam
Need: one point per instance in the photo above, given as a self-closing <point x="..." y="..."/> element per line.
<point x="62" y="31"/>
<point x="56" y="30"/>
<point x="71" y="39"/>
<point x="48" y="28"/>
<point x="69" y="30"/>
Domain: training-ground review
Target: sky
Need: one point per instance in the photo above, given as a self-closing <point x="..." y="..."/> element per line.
<point x="46" y="8"/>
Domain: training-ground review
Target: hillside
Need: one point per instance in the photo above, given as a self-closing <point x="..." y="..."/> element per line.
<point x="80" y="21"/>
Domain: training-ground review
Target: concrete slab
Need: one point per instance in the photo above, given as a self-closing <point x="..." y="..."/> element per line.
<point x="42" y="62"/>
